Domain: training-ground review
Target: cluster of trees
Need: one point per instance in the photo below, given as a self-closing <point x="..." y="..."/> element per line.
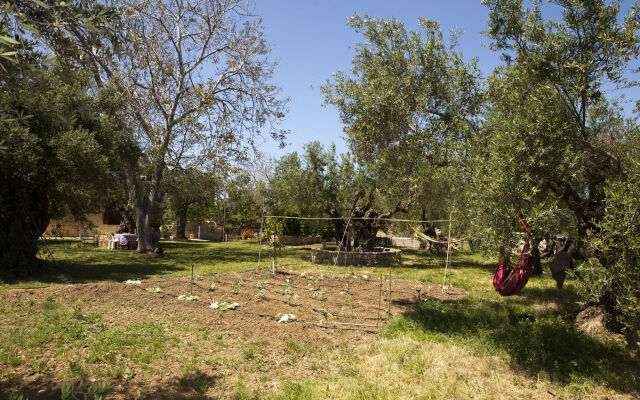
<point x="150" y="103"/>
<point x="125" y="104"/>
<point x="543" y="136"/>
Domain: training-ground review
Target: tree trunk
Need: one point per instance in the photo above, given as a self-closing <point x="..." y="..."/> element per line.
<point x="181" y="219"/>
<point x="22" y="221"/>
<point x="128" y="218"/>
<point x="143" y="208"/>
<point x="340" y="227"/>
<point x="366" y="233"/>
<point x="145" y="204"/>
<point x="537" y="266"/>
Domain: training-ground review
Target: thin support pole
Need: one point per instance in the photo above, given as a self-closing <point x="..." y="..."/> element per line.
<point x="273" y="262"/>
<point x="260" y="238"/>
<point x="446" y="265"/>
<point x="389" y="302"/>
<point x="191" y="289"/>
<point x="379" y="302"/>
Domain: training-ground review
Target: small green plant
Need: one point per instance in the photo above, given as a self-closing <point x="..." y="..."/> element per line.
<point x="261" y="294"/>
<point x="318" y="295"/>
<point x="249" y="353"/>
<point x="262" y="284"/>
<point x="292" y="299"/>
<point x="154" y="290"/>
<point x="284" y="318"/>
<point x="40" y="366"/>
<point x="237" y="285"/>
<point x="188" y="298"/>
<point x="224" y="306"/>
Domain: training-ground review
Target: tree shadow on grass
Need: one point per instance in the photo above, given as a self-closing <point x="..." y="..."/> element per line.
<point x="193" y="385"/>
<point x="75" y="263"/>
<point x="189" y="386"/>
<point x="419" y="259"/>
<point x="537" y="344"/>
<point x="564" y="299"/>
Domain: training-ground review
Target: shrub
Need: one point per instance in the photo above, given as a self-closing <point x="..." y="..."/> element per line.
<point x="247" y="234"/>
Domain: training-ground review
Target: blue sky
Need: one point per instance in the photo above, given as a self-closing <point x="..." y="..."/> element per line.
<point x="310" y="41"/>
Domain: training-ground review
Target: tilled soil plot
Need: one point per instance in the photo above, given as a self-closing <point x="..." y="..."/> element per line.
<point x="319" y="309"/>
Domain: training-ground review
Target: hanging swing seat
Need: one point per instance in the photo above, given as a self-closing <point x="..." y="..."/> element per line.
<point x="510" y="281"/>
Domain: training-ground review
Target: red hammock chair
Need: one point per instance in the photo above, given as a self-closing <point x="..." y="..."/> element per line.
<point x="509" y="281"/>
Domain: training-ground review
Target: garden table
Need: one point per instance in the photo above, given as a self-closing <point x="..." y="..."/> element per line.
<point x="125" y="238"/>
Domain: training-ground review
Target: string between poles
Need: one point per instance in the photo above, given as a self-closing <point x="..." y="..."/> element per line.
<point x="359" y="218"/>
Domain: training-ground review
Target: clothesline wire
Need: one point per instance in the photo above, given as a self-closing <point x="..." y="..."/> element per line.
<point x="358" y="218"/>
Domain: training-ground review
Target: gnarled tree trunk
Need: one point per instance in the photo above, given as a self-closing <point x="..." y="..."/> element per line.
<point x="181" y="222"/>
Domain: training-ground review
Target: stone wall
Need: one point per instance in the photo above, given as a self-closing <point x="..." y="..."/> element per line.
<point x="206" y="232"/>
<point x="68" y="227"/>
<point x="381" y="258"/>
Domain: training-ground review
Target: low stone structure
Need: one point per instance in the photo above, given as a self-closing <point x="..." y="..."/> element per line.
<point x="406" y="242"/>
<point x="380" y="257"/>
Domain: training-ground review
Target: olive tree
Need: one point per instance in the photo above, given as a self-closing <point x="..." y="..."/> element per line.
<point x="409" y="105"/>
<point x="556" y="143"/>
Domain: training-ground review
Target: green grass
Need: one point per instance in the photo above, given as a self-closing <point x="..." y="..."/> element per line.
<point x="529" y="338"/>
<point x="78" y="263"/>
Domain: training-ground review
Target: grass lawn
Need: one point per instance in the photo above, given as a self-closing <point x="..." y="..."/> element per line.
<point x="482" y="346"/>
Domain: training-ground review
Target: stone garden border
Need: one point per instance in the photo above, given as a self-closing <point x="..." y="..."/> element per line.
<point x="381" y="257"/>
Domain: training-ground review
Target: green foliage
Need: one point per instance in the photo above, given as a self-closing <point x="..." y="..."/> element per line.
<point x="243" y="204"/>
<point x="409" y="104"/>
<point x="190" y="195"/>
<point x="303" y="184"/>
<point x="408" y="94"/>
<point x="612" y="279"/>
<point x="551" y="137"/>
<point x="64" y="150"/>
<point x="272" y="228"/>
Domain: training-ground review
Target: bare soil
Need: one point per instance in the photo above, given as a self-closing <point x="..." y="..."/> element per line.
<point x="329" y="310"/>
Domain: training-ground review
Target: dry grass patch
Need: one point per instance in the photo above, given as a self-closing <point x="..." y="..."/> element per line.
<point x="408" y="369"/>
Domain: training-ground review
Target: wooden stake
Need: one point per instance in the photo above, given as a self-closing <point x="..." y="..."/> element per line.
<point x="261" y="230"/>
<point x="446" y="265"/>
<point x="273" y="261"/>
<point x="191" y="290"/>
<point x="389" y="303"/>
<point x="379" y="302"/>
